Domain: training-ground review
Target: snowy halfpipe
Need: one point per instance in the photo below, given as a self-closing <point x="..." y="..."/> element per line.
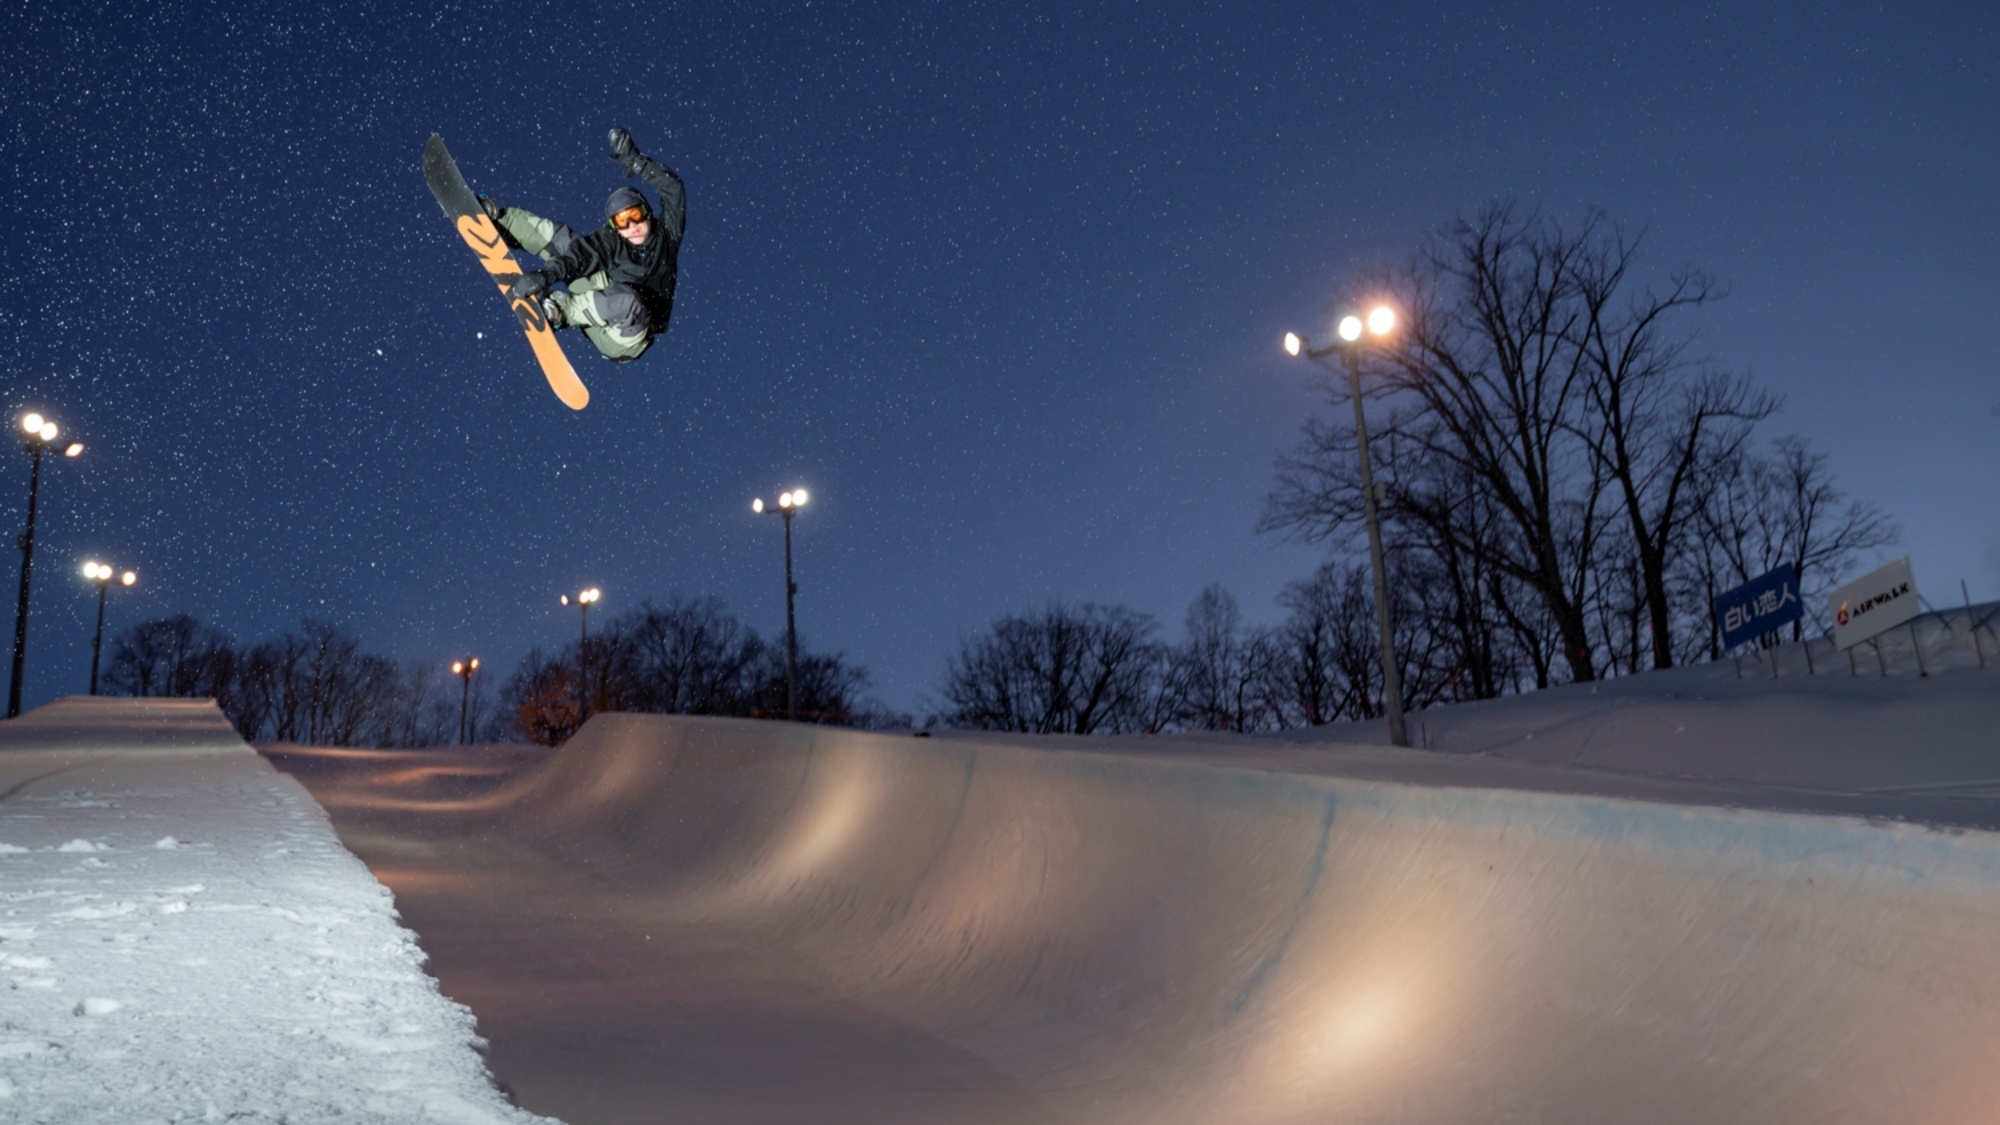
<point x="722" y="921"/>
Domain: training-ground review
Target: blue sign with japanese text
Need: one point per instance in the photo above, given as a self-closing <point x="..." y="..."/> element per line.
<point x="1759" y="606"/>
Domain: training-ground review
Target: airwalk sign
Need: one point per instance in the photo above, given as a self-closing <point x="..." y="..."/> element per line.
<point x="1872" y="603"/>
<point x="1758" y="606"/>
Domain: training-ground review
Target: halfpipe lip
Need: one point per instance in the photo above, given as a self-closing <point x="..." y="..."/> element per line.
<point x="1966" y="805"/>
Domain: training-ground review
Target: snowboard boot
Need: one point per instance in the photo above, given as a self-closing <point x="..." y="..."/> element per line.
<point x="493" y="210"/>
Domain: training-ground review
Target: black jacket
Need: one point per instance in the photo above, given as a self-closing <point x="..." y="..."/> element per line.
<point x="652" y="267"/>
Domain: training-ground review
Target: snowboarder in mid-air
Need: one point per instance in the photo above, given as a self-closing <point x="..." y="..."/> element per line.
<point x="618" y="279"/>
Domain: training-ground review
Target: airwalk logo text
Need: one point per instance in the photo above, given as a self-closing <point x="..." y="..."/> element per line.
<point x="1846" y="614"/>
<point x="1874" y="602"/>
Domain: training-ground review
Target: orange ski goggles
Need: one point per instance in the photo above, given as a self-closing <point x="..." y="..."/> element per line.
<point x="634" y="214"/>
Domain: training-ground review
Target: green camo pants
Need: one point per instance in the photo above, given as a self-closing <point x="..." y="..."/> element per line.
<point x="609" y="314"/>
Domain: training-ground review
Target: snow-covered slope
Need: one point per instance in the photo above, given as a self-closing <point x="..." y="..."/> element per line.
<point x="1703" y="895"/>
<point x="1654" y="915"/>
<point x="1885" y="736"/>
<point x="182" y="938"/>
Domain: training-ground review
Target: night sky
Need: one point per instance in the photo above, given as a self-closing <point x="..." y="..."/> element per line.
<point x="1002" y="284"/>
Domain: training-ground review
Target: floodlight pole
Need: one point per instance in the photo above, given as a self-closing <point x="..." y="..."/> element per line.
<point x="788" y="506"/>
<point x="582" y="603"/>
<point x="464" y="669"/>
<point x="1392" y="687"/>
<point x="791" y="627"/>
<point x="97" y="638"/>
<point x="1350" y="349"/>
<point x="27" y="541"/>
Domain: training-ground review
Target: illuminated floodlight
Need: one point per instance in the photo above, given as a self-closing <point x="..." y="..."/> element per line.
<point x="784" y="499"/>
<point x="798" y="497"/>
<point x="1382" y="320"/>
<point x="90" y="568"/>
<point x="757" y="505"/>
<point x="1350" y="328"/>
<point x="31" y="423"/>
<point x="1293" y="344"/>
<point x="75" y="449"/>
<point x="128" y="578"/>
<point x="49" y="431"/>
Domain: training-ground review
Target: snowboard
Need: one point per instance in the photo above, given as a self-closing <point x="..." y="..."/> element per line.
<point x="479" y="232"/>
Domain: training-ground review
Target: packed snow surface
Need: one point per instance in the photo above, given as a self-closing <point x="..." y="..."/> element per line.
<point x="1763" y="893"/>
<point x="182" y="938"/>
<point x="1707" y="895"/>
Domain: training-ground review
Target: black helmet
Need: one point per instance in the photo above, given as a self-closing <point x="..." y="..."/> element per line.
<point x="624" y="199"/>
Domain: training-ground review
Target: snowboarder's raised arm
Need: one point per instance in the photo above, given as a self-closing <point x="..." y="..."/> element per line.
<point x="662" y="179"/>
<point x="673" y="196"/>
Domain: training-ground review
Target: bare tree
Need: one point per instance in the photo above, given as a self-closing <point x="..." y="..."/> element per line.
<point x="272" y="701"/>
<point x="1455" y="592"/>
<point x="828" y="687"/>
<point x="544" y="697"/>
<point x="688" y="657"/>
<point x="1658" y="418"/>
<point x="1770" y="508"/>
<point x="1324" y="662"/>
<point x="171" y="656"/>
<point x="1321" y="669"/>
<point x="1491" y="389"/>
<point x="1550" y="431"/>
<point x="1222" y="667"/>
<point x="424" y="709"/>
<point x="1076" y="669"/>
<point x="336" y="683"/>
<point x="694" y="658"/>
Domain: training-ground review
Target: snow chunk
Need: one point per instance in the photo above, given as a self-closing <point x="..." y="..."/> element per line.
<point x="97" y="1006"/>
<point x="10" y="849"/>
<point x="83" y="846"/>
<point x="166" y="843"/>
<point x="93" y="913"/>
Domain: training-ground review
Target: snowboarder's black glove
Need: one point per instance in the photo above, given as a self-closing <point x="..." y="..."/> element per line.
<point x="532" y="284"/>
<point x="624" y="153"/>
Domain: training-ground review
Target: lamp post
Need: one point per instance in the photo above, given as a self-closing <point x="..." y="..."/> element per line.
<point x="102" y="574"/>
<point x="789" y="504"/>
<point x="41" y="435"/>
<point x="464" y="669"/>
<point x="583" y="601"/>
<point x="1381" y="321"/>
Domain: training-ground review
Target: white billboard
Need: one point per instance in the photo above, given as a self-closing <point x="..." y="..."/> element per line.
<point x="1872" y="603"/>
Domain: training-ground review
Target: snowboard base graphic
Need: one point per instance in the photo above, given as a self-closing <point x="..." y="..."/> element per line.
<point x="480" y="233"/>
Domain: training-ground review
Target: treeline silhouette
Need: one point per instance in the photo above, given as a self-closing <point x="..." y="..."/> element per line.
<point x="1079" y="668"/>
<point x="316" y="685"/>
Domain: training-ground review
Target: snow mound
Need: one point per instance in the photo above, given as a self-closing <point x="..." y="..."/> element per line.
<point x="259" y="975"/>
